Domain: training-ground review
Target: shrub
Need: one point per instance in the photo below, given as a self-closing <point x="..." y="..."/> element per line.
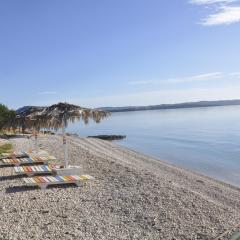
<point x="5" y="148"/>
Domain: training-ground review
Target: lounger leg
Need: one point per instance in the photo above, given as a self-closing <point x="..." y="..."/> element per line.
<point x="43" y="186"/>
<point x="78" y="184"/>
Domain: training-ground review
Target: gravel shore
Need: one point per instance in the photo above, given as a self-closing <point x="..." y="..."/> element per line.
<point x="132" y="197"/>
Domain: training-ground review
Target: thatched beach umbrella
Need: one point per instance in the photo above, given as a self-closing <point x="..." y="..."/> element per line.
<point x="58" y="116"/>
<point x="27" y="117"/>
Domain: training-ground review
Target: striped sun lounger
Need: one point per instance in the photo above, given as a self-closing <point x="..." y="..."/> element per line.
<point x="26" y="161"/>
<point x="42" y="158"/>
<point x="44" y="182"/>
<point x="22" y="154"/>
<point x="14" y="155"/>
<point x="32" y="170"/>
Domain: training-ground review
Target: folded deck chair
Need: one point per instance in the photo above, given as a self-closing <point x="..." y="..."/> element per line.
<point x="44" y="182"/>
<point x="14" y="155"/>
<point x="26" y="161"/>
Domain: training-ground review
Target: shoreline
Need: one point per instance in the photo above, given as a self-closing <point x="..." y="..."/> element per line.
<point x="188" y="170"/>
<point x="133" y="196"/>
<point x="184" y="169"/>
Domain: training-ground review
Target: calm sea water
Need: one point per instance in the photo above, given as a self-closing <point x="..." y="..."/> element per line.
<point x="206" y="140"/>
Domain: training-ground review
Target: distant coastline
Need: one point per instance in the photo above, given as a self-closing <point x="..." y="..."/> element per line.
<point x="174" y="106"/>
<point x="160" y="106"/>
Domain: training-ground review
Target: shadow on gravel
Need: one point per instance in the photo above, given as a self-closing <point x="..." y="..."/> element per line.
<point x="5" y="166"/>
<point x="10" y="177"/>
<point x="16" y="189"/>
<point x="5" y="136"/>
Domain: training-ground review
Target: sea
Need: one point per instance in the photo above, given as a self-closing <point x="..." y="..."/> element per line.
<point x="204" y="140"/>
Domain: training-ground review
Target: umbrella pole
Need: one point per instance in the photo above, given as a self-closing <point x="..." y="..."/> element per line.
<point x="35" y="141"/>
<point x="65" y="147"/>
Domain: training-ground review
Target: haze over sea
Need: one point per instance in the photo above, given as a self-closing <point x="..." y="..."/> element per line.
<point x="206" y="140"/>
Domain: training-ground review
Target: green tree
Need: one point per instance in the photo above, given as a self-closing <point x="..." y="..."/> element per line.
<point x="3" y="116"/>
<point x="7" y="117"/>
<point x="11" y="119"/>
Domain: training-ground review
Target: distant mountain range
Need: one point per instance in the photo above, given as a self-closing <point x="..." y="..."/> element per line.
<point x="174" y="106"/>
<point x="161" y="106"/>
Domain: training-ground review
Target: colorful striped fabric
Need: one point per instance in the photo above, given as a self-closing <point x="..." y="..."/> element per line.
<point x="16" y="160"/>
<point x="43" y="182"/>
<point x="30" y="160"/>
<point x="33" y="169"/>
<point x="14" y="155"/>
<point x="42" y="158"/>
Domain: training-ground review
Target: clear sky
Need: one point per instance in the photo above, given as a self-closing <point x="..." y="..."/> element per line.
<point x="118" y="52"/>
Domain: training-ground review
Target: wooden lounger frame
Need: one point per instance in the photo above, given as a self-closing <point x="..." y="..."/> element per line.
<point x="44" y="182"/>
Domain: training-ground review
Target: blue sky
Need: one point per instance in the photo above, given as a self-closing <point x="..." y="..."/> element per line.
<point x="118" y="52"/>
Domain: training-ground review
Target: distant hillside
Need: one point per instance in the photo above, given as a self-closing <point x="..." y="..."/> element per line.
<point x="25" y="108"/>
<point x="174" y="106"/>
<point x="22" y="109"/>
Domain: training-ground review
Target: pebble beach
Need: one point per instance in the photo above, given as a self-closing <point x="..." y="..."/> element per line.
<point x="133" y="196"/>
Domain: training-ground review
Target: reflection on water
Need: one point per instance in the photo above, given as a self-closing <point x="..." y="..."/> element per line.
<point x="206" y="140"/>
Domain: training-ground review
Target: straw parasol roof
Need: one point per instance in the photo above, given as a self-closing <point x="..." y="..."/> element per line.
<point x="28" y="117"/>
<point x="59" y="115"/>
